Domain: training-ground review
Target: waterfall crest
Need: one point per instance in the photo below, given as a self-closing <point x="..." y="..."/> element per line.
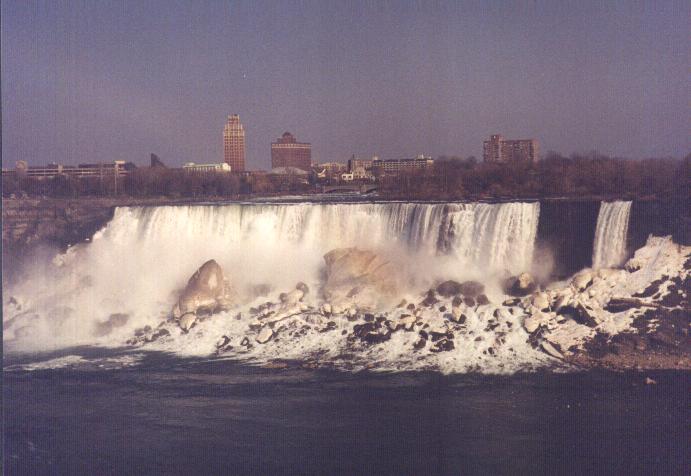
<point x="609" y="248"/>
<point x="499" y="237"/>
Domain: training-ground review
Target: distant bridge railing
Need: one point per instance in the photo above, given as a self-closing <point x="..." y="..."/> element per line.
<point x="353" y="188"/>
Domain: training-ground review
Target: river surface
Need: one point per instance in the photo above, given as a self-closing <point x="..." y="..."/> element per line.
<point x="104" y="413"/>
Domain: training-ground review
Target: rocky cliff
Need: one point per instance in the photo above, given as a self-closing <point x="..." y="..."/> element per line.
<point x="54" y="222"/>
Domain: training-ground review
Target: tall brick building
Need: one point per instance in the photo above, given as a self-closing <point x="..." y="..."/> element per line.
<point x="288" y="152"/>
<point x="498" y="149"/>
<point x="234" y="144"/>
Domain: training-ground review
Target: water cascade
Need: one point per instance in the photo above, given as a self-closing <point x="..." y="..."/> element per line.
<point x="609" y="249"/>
<point x="143" y="257"/>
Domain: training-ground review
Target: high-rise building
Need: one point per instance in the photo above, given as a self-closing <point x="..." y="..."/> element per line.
<point x="234" y="144"/>
<point x="498" y="149"/>
<point x="288" y="152"/>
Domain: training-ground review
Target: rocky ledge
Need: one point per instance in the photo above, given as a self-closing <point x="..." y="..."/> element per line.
<point x="632" y="318"/>
<point x="52" y="222"/>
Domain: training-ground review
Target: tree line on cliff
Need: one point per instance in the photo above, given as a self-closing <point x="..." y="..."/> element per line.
<point x="590" y="175"/>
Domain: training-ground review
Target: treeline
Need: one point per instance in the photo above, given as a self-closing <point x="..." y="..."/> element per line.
<point x="590" y="175"/>
<point x="153" y="182"/>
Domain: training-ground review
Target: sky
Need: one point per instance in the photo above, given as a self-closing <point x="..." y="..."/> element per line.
<point x="87" y="81"/>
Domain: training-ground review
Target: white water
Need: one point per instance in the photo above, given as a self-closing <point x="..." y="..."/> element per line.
<point x="138" y="263"/>
<point x="609" y="249"/>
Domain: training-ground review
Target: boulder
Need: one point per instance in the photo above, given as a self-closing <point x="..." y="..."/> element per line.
<point x="520" y="285"/>
<point x="560" y="300"/>
<point x="292" y="297"/>
<point x="430" y="299"/>
<point x="420" y="343"/>
<point x="187" y="321"/>
<point x="449" y="288"/>
<point x="373" y="277"/>
<point x="633" y="265"/>
<point x="157" y="335"/>
<point x="302" y="287"/>
<point x="582" y="280"/>
<point x="265" y="335"/>
<point x="443" y="345"/>
<point x="578" y="313"/>
<point x="472" y="288"/>
<point x="534" y="321"/>
<point x="206" y="291"/>
<point x="531" y="323"/>
<point x="551" y="350"/>
<point x="222" y="342"/>
<point x="541" y="300"/>
<point x="407" y="320"/>
<point x="623" y="304"/>
<point x="372" y="332"/>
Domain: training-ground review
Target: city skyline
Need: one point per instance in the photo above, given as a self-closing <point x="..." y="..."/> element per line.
<point x="129" y="79"/>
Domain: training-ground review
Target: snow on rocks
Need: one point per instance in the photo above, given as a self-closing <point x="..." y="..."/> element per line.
<point x="607" y="301"/>
<point x="452" y="327"/>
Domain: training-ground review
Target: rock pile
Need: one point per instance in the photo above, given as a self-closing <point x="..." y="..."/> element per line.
<point x="615" y="316"/>
<point x="595" y="316"/>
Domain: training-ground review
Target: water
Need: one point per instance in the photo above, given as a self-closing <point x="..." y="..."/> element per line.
<point x="174" y="416"/>
<point x="142" y="258"/>
<point x="137" y="264"/>
<point x="611" y="233"/>
<point x="174" y="407"/>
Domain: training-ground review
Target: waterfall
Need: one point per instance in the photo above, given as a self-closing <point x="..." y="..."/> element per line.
<point x="498" y="237"/>
<point x="138" y="263"/>
<point x="609" y="249"/>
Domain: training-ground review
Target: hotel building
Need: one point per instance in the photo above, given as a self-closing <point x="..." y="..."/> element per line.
<point x="234" y="144"/>
<point x="288" y="152"/>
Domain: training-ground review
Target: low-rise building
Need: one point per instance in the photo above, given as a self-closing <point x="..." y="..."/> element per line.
<point x="119" y="167"/>
<point x="192" y="167"/>
<point x="382" y="168"/>
<point x="361" y="168"/>
<point x="329" y="170"/>
<point x="289" y="177"/>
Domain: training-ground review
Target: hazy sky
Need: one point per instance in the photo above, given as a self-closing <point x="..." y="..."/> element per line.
<point x="105" y="80"/>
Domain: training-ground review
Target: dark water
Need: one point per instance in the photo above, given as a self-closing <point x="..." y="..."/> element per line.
<point x="171" y="416"/>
